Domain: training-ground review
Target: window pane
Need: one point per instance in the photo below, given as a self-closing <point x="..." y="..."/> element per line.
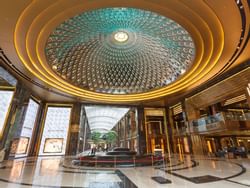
<point x="55" y="131"/>
<point x="5" y="100"/>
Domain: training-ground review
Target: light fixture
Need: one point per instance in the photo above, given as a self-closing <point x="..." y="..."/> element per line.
<point x="183" y="71"/>
<point x="121" y="36"/>
<point x="54" y="67"/>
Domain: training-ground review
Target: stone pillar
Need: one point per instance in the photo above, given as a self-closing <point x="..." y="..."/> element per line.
<point x="184" y="113"/>
<point x="73" y="135"/>
<point x="192" y="112"/>
<point x="141" y="131"/>
<point x="170" y="127"/>
<point x="217" y="143"/>
<point x="16" y="117"/>
<point x="125" y="131"/>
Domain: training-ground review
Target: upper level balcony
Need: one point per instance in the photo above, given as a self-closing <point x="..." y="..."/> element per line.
<point x="223" y="121"/>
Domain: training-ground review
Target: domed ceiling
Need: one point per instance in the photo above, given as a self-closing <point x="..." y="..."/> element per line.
<point x="119" y="50"/>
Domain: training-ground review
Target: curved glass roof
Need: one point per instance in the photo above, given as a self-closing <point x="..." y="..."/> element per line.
<point x="104" y="117"/>
<point x="119" y="50"/>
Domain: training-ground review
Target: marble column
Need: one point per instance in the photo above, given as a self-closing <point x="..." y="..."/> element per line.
<point x="188" y="135"/>
<point x="74" y="128"/>
<point x="192" y="112"/>
<point x="141" y="131"/>
<point x="16" y="117"/>
<point x="170" y="127"/>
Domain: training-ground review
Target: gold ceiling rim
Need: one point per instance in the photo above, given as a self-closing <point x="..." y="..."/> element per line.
<point x="33" y="57"/>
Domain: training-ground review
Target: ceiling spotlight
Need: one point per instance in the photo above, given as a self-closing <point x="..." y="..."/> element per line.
<point x="183" y="71"/>
<point x="121" y="36"/>
<point x="54" y="67"/>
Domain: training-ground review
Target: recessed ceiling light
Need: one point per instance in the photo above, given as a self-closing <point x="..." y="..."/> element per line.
<point x="121" y="36"/>
<point x="54" y="67"/>
<point x="183" y="71"/>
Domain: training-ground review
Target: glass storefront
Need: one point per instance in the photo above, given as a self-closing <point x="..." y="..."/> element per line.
<point x="55" y="131"/>
<point x="5" y="101"/>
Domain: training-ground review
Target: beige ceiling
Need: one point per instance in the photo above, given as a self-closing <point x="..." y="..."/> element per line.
<point x="215" y="26"/>
<point x="226" y="89"/>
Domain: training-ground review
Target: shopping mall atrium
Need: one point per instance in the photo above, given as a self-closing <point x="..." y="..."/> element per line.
<point x="125" y="93"/>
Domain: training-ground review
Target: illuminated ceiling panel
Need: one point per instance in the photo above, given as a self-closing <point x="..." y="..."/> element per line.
<point x="104" y="118"/>
<point x="119" y="50"/>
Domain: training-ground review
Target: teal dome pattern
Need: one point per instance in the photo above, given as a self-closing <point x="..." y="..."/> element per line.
<point x="153" y="52"/>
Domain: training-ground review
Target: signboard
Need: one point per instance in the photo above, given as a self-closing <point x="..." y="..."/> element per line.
<point x="19" y="145"/>
<point x="53" y="145"/>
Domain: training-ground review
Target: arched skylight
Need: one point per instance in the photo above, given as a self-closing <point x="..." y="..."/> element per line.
<point x="104" y="118"/>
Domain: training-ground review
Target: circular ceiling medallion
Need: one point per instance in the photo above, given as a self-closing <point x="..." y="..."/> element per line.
<point x="121" y="36"/>
<point x="119" y="50"/>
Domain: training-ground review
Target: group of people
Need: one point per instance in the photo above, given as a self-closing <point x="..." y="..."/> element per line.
<point x="94" y="149"/>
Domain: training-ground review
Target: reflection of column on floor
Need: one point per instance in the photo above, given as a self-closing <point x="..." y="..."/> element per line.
<point x="180" y="150"/>
<point x="45" y="172"/>
<point x="197" y="144"/>
<point x="16" y="170"/>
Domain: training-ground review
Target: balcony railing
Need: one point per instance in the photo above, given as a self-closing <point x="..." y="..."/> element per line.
<point x="209" y="123"/>
<point x="237" y="117"/>
<point x="220" y="121"/>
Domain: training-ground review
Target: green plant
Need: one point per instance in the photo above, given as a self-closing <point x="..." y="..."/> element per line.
<point x="110" y="137"/>
<point x="96" y="137"/>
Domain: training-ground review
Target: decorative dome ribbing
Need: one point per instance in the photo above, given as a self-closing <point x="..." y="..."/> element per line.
<point x="120" y="50"/>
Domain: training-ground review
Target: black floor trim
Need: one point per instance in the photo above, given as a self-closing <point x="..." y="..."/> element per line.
<point x="161" y="180"/>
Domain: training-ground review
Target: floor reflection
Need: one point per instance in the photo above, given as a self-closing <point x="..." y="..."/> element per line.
<point x="48" y="166"/>
<point x="16" y="170"/>
<point x="49" y="172"/>
<point x="54" y="172"/>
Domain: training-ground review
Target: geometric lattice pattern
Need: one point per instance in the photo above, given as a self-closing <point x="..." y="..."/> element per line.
<point x="82" y="50"/>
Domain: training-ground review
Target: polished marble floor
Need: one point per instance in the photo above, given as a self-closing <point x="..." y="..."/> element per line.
<point x="195" y="171"/>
